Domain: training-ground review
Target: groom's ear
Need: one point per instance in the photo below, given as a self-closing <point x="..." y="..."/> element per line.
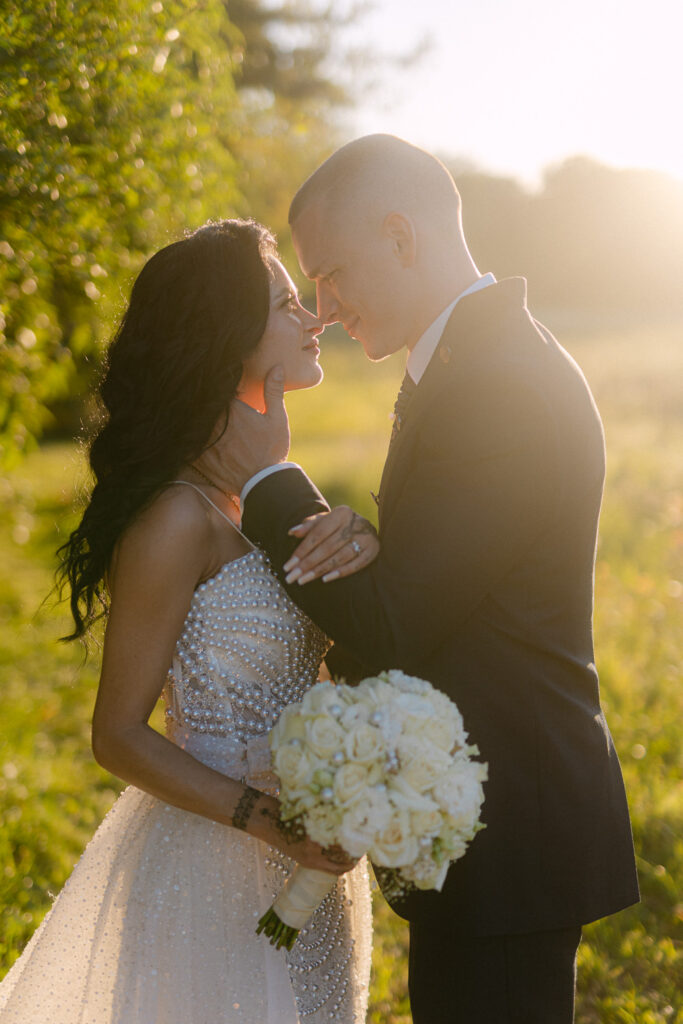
<point x="400" y="231"/>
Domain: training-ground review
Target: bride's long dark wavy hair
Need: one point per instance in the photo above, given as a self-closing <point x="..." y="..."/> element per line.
<point x="197" y="309"/>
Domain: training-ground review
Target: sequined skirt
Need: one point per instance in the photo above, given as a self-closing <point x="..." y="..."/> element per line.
<point x="156" y="925"/>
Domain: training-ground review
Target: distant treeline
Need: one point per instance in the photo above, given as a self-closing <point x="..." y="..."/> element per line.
<point x="595" y="243"/>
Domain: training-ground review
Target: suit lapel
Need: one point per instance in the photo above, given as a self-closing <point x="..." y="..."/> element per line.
<point x="475" y="317"/>
<point x="394" y="474"/>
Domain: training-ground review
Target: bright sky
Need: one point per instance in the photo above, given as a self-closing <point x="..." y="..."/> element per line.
<point x="515" y="85"/>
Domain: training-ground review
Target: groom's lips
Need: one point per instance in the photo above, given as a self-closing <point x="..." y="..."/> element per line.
<point x="349" y="328"/>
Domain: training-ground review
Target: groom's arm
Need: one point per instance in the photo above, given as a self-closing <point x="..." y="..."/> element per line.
<point x="481" y="486"/>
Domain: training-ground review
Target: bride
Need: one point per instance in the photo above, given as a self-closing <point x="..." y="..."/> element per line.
<point x="156" y="924"/>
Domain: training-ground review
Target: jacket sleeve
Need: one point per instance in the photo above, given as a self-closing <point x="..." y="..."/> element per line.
<point x="478" y="491"/>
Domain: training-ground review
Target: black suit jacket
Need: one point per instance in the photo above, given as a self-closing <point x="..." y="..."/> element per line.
<point x="488" y="519"/>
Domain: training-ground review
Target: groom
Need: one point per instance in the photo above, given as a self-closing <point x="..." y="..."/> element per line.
<point x="488" y="513"/>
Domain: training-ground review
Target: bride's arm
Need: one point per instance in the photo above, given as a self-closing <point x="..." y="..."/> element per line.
<point x="158" y="564"/>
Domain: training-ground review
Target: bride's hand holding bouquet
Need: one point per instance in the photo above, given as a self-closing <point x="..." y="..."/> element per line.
<point x="382" y="768"/>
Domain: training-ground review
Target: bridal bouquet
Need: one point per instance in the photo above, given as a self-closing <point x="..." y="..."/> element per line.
<point x="382" y="768"/>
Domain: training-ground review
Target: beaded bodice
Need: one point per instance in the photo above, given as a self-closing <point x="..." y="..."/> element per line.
<point x="158" y="920"/>
<point x="245" y="652"/>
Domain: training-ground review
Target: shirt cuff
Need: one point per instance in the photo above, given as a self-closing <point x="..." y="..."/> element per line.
<point x="261" y="475"/>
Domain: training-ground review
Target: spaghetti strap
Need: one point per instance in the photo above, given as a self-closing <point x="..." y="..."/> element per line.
<point x="213" y="505"/>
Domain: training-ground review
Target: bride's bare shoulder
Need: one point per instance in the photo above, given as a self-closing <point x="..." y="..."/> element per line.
<point x="174" y="534"/>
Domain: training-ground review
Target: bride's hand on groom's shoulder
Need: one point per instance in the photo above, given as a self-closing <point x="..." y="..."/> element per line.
<point x="333" y="545"/>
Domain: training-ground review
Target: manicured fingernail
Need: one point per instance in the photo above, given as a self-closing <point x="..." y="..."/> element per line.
<point x="291" y="564"/>
<point x="306" y="578"/>
<point x="331" y="576"/>
<point x="294" y="529"/>
<point x="293" y="575"/>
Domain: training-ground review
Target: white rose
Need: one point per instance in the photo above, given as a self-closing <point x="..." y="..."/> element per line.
<point x="323" y="696"/>
<point x="349" y="782"/>
<point x="324" y="735"/>
<point x="395" y="845"/>
<point x="426" y="823"/>
<point x="429" y="709"/>
<point x="293" y="766"/>
<point x="442" y="732"/>
<point x="404" y="797"/>
<point x="445" y="710"/>
<point x="375" y="692"/>
<point x="290" y="725"/>
<point x="322" y="824"/>
<point x="355" y="714"/>
<point x="460" y="793"/>
<point x="356" y="831"/>
<point x="421" y="763"/>
<point x="453" y="845"/>
<point x="426" y="873"/>
<point x="415" y="713"/>
<point x="413" y="705"/>
<point x="363" y="819"/>
<point x="407" y="684"/>
<point x="364" y="743"/>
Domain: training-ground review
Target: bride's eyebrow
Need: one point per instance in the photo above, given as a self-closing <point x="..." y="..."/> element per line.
<point x="286" y="293"/>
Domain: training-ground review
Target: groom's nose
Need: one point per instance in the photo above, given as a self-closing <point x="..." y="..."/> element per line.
<point x="327" y="303"/>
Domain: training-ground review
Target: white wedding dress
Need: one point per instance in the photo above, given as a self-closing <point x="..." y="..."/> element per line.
<point x="156" y="924"/>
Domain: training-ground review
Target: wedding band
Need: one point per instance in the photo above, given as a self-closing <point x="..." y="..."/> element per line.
<point x="356" y="547"/>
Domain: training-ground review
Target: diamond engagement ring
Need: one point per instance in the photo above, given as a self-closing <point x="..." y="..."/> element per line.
<point x="356" y="547"/>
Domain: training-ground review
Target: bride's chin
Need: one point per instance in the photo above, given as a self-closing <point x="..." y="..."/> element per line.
<point x="307" y="380"/>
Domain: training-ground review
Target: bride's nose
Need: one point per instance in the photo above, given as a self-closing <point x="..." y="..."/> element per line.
<point x="312" y="324"/>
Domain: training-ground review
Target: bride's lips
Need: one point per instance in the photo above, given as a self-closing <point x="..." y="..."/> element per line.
<point x="314" y="347"/>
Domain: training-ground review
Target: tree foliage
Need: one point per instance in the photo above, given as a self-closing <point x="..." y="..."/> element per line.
<point x="287" y="47"/>
<point x="123" y="123"/>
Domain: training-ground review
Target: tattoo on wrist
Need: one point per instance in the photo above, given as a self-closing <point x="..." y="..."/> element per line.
<point x="336" y="855"/>
<point x="245" y="806"/>
<point x="293" y="831"/>
<point x="357" y="526"/>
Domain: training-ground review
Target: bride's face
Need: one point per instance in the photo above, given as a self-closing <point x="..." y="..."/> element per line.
<point x="289" y="340"/>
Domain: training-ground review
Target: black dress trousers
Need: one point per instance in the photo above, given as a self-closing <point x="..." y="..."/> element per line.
<point x="497" y="979"/>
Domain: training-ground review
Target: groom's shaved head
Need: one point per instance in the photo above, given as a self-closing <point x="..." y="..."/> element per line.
<point x="380" y="171"/>
<point x="378" y="228"/>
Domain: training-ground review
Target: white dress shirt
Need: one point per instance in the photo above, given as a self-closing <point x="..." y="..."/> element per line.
<point x="418" y="360"/>
<point x="420" y="356"/>
<point x="262" y="474"/>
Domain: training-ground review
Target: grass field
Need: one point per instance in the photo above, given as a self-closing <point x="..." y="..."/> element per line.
<point x="52" y="794"/>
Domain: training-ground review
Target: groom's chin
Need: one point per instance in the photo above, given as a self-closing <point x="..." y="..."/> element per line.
<point x="377" y="348"/>
<point x="374" y="355"/>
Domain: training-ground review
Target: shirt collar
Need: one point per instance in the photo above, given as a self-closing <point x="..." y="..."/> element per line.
<point x="419" y="357"/>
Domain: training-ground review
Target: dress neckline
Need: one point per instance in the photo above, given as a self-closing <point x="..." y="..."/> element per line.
<point x="252" y="547"/>
<point x="234" y="562"/>
<point x="220" y="511"/>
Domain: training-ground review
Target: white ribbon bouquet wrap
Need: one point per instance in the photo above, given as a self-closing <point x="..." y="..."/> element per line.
<point x="382" y="768"/>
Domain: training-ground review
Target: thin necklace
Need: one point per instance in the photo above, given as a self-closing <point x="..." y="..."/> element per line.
<point x="231" y="497"/>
